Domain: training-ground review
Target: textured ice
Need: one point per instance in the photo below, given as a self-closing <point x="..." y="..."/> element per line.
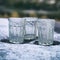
<point x="28" y="52"/>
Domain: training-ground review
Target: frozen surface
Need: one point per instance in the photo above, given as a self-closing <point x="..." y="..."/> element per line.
<point x="28" y="52"/>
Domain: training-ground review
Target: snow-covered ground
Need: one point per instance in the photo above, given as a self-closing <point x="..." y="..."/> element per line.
<point x="28" y="52"/>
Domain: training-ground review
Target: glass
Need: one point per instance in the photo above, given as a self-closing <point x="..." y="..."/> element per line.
<point x="16" y="30"/>
<point x="46" y="31"/>
<point x="30" y="28"/>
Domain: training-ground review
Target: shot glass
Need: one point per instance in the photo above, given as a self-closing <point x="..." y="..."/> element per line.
<point x="30" y="28"/>
<point x="16" y="30"/>
<point x="46" y="31"/>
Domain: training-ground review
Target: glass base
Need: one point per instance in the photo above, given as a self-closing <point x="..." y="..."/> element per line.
<point x="16" y="41"/>
<point x="29" y="37"/>
<point x="46" y="43"/>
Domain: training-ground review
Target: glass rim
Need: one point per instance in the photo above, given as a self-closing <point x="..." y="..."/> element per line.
<point x="30" y="18"/>
<point x="14" y="18"/>
<point x="47" y="19"/>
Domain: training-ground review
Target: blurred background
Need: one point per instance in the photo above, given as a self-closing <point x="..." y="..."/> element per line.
<point x="30" y="8"/>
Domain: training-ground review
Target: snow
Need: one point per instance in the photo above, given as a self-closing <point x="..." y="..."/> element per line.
<point x="57" y="36"/>
<point x="28" y="52"/>
<point x="4" y="28"/>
